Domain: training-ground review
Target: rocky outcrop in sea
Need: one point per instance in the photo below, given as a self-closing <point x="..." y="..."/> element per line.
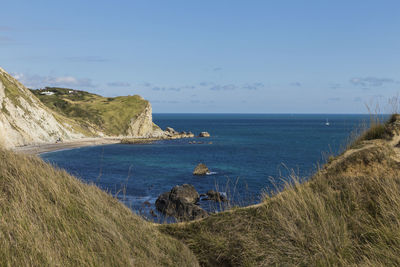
<point x="201" y="169"/>
<point x="181" y="203"/>
<point x="204" y="134"/>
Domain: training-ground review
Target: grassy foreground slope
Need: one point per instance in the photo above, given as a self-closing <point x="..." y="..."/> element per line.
<point x="110" y="115"/>
<point x="347" y="214"/>
<point x="48" y="217"/>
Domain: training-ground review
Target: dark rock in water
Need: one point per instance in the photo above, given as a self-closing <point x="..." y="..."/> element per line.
<point x="204" y="134"/>
<point x="186" y="193"/>
<point x="215" y="196"/>
<point x="146" y="203"/>
<point x="180" y="203"/>
<point x="201" y="169"/>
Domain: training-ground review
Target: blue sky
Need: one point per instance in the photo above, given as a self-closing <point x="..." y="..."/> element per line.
<point x="210" y="56"/>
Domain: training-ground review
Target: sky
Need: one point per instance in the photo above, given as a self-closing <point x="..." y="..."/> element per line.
<point x="210" y="56"/>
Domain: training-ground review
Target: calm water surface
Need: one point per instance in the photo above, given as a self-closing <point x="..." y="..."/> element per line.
<point x="248" y="153"/>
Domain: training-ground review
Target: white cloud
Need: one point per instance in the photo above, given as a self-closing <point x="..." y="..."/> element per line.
<point x="95" y="59"/>
<point x="371" y="81"/>
<point x="119" y="84"/>
<point x="38" y="81"/>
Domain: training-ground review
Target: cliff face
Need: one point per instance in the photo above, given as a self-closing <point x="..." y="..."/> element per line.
<point x="24" y="119"/>
<point x="142" y="125"/>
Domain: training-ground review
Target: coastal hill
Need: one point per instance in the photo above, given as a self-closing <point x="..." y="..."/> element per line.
<point x="44" y="116"/>
<point x="111" y="116"/>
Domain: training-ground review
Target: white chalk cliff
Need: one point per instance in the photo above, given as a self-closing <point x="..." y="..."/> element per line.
<point x="143" y="126"/>
<point x="24" y="119"/>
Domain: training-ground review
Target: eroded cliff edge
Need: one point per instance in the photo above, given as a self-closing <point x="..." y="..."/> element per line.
<point x="25" y="120"/>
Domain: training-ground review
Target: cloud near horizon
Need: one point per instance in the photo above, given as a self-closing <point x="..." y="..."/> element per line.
<point x="157" y="88"/>
<point x="296" y="84"/>
<point x="4" y="40"/>
<point x="94" y="59"/>
<point x="5" y="28"/>
<point x="335" y="86"/>
<point x="38" y="81"/>
<point x="370" y="81"/>
<point x="119" y="84"/>
<point x="334" y="99"/>
<point x="231" y="87"/>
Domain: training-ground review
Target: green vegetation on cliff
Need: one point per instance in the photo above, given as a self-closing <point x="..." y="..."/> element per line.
<point x="111" y="115"/>
<point x="11" y="90"/>
<point x="49" y="218"/>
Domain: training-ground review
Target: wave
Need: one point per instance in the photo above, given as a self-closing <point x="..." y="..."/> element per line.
<point x="211" y="173"/>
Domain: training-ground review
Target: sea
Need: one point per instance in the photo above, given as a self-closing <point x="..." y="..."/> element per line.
<point x="248" y="155"/>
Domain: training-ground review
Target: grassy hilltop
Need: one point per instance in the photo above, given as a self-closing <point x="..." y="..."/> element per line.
<point x="110" y="115"/>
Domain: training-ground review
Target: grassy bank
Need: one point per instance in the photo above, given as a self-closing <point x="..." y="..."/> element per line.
<point x="346" y="214"/>
<point x="48" y="217"/>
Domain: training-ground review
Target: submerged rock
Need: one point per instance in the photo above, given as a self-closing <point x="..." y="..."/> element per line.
<point x="180" y="203"/>
<point x="215" y="196"/>
<point x="201" y="169"/>
<point x="204" y="134"/>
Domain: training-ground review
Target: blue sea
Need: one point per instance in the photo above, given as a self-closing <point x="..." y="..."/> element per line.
<point x="248" y="155"/>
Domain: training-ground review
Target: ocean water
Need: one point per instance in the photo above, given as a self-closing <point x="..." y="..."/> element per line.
<point x="249" y="154"/>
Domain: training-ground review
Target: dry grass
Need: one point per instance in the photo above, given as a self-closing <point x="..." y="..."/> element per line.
<point x="348" y="214"/>
<point x="378" y="129"/>
<point x="48" y="217"/>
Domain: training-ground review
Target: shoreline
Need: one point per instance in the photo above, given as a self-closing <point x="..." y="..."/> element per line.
<point x="38" y="149"/>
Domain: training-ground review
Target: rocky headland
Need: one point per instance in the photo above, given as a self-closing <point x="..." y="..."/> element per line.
<point x="36" y="121"/>
<point x="168" y="134"/>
